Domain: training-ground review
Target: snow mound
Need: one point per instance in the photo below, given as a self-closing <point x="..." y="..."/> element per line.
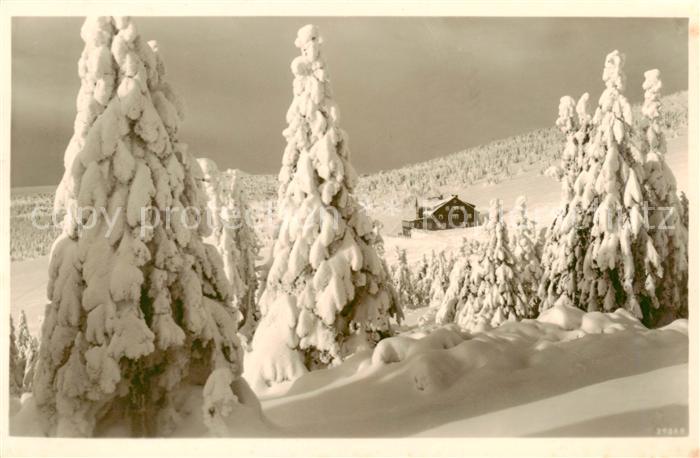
<point x="246" y="418"/>
<point x="434" y="372"/>
<point x="599" y="323"/>
<point x="562" y="315"/>
<point x="680" y="325"/>
<point x="533" y="368"/>
<point x="397" y="349"/>
<point x="432" y="360"/>
<point x="571" y="318"/>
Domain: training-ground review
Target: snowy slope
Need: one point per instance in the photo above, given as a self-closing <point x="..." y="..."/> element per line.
<point x="542" y="192"/>
<point x="594" y="410"/>
<point x="28" y="281"/>
<point x="522" y="379"/>
<point x="30" y="190"/>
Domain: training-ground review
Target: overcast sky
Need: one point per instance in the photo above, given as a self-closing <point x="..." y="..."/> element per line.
<point x="409" y="89"/>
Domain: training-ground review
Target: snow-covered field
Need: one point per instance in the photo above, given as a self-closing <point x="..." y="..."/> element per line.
<point x="28" y="281"/>
<point x="566" y="374"/>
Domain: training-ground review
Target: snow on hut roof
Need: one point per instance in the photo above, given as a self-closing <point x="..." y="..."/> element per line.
<point x="430" y="202"/>
<point x="433" y="203"/>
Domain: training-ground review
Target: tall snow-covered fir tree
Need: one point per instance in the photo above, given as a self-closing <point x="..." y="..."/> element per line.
<point x="667" y="263"/>
<point x="615" y="265"/>
<point x="327" y="292"/>
<point x="234" y="239"/>
<point x="605" y="250"/>
<point x="138" y="303"/>
<point x="527" y="262"/>
<point x="567" y="237"/>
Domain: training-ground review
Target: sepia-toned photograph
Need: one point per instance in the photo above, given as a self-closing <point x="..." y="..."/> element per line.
<point x="494" y="240"/>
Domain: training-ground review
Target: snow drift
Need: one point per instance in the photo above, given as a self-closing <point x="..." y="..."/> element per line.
<point x="510" y="381"/>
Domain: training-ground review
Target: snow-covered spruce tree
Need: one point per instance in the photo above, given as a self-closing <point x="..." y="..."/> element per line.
<point x="403" y="281"/>
<point x="327" y="293"/>
<point x="541" y="239"/>
<point x="139" y="304"/>
<point x="28" y="348"/>
<point x="582" y="138"/>
<point x="16" y="366"/>
<point x="527" y="262"/>
<point x="466" y="248"/>
<point x="567" y="237"/>
<point x="557" y="280"/>
<point x="495" y="294"/>
<point x="458" y="283"/>
<point x="614" y="272"/>
<point x="439" y="280"/>
<point x="426" y="272"/>
<point x="237" y="209"/>
<point x="667" y="263"/>
<point x="420" y="276"/>
<point x="234" y="239"/>
<point x="568" y="124"/>
<point x="455" y="295"/>
<point x="451" y="259"/>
